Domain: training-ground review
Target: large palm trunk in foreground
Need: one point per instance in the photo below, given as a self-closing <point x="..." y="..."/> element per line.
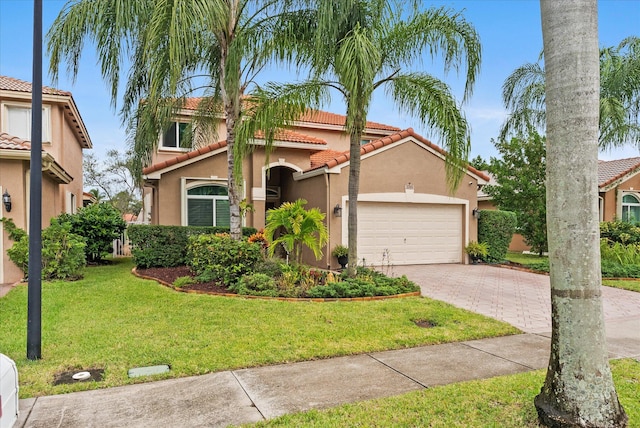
<point x="578" y="390"/>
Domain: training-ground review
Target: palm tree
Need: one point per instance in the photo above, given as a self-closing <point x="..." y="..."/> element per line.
<point x="299" y="227"/>
<point x="578" y="390"/>
<point x="356" y="47"/>
<point x="176" y="49"/>
<point x="523" y="94"/>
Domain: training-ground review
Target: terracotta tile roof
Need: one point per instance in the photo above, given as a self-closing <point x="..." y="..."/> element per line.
<point x="286" y="135"/>
<point x="12" y="84"/>
<point x="343" y="157"/>
<point x="294" y="137"/>
<point x="312" y="116"/>
<point x="13" y="143"/>
<point x="320" y="158"/>
<point x="326" y="118"/>
<point x="610" y="171"/>
<point x="179" y="159"/>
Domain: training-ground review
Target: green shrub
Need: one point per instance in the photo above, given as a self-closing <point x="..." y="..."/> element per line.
<point x="63" y="253"/>
<point x="226" y="259"/>
<point x="612" y="269"/>
<point x="620" y="231"/>
<point x="270" y="266"/>
<point x="257" y="284"/>
<point x="13" y="231"/>
<point x="496" y="228"/>
<point x="617" y="252"/>
<point x="366" y="283"/>
<point x="166" y="246"/>
<point x="99" y="225"/>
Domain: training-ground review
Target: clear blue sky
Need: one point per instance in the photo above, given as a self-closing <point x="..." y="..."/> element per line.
<point x="509" y="30"/>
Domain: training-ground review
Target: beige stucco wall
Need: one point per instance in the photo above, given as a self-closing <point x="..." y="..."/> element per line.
<point x="66" y="149"/>
<point x="12" y="173"/>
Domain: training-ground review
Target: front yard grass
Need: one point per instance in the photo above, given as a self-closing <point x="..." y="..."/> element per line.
<point x="115" y="321"/>
<point x="532" y="260"/>
<point x="505" y="401"/>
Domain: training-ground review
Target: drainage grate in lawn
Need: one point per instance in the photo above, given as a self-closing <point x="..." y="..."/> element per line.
<point x="148" y="371"/>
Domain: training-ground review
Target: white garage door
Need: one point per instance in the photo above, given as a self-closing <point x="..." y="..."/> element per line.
<point x="403" y="234"/>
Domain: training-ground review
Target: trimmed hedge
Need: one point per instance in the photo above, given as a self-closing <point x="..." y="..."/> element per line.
<point x="166" y="246"/>
<point x="496" y="228"/>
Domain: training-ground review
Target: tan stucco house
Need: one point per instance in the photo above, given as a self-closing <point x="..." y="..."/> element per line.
<point x="619" y="189"/>
<point x="618" y="194"/>
<point x="63" y="137"/>
<point x="406" y="214"/>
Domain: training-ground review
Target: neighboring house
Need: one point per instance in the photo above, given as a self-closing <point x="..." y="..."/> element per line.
<point x="618" y="194"/>
<point x="63" y="138"/>
<point x="619" y="189"/>
<point x="406" y="214"/>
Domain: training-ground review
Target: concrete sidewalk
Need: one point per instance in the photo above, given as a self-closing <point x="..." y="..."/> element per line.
<point x="251" y="395"/>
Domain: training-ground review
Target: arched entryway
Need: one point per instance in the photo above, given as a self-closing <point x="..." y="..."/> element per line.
<point x="279" y="189"/>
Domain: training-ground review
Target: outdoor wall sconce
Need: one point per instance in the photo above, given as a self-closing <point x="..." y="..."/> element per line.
<point x="475" y="213"/>
<point x="337" y="210"/>
<point x="6" y="200"/>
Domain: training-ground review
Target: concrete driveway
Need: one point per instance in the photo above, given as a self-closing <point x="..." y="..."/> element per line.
<point x="523" y="299"/>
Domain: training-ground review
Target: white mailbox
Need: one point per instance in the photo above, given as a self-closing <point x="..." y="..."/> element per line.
<point x="8" y="392"/>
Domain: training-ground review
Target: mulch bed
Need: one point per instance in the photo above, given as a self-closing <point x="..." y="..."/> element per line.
<point x="167" y="276"/>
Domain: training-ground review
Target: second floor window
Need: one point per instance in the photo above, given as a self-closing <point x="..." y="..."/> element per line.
<point x="177" y="136"/>
<point x="17" y="122"/>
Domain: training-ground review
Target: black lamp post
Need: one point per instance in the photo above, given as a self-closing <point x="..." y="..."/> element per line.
<point x="34" y="295"/>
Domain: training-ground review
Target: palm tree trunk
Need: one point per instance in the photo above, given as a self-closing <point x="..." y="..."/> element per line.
<point x="578" y="390"/>
<point x="354" y="188"/>
<point x="235" y="224"/>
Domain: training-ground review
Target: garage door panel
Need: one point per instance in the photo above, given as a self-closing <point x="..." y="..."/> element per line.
<point x="409" y="233"/>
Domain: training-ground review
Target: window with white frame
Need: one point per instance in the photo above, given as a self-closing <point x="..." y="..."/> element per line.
<point x="177" y="136"/>
<point x="630" y="208"/>
<point x="208" y="205"/>
<point x="17" y="121"/>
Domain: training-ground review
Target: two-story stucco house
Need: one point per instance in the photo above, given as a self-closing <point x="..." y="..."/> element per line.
<point x="64" y="136"/>
<point x="406" y="214"/>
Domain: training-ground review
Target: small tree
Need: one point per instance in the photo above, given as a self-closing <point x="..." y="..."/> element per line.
<point x="298" y="226"/>
<point x="479" y="163"/>
<point x="113" y="180"/>
<point x="521" y="186"/>
<point x="99" y="224"/>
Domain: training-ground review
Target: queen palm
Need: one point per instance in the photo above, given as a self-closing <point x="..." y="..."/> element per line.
<point x="176" y="49"/>
<point x="523" y="94"/>
<point x="355" y="47"/>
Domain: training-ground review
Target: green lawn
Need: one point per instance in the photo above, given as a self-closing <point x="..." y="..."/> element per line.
<point x="115" y="321"/>
<point x="625" y="284"/>
<point x="504" y="402"/>
<point x="526" y="259"/>
<point x="533" y="260"/>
